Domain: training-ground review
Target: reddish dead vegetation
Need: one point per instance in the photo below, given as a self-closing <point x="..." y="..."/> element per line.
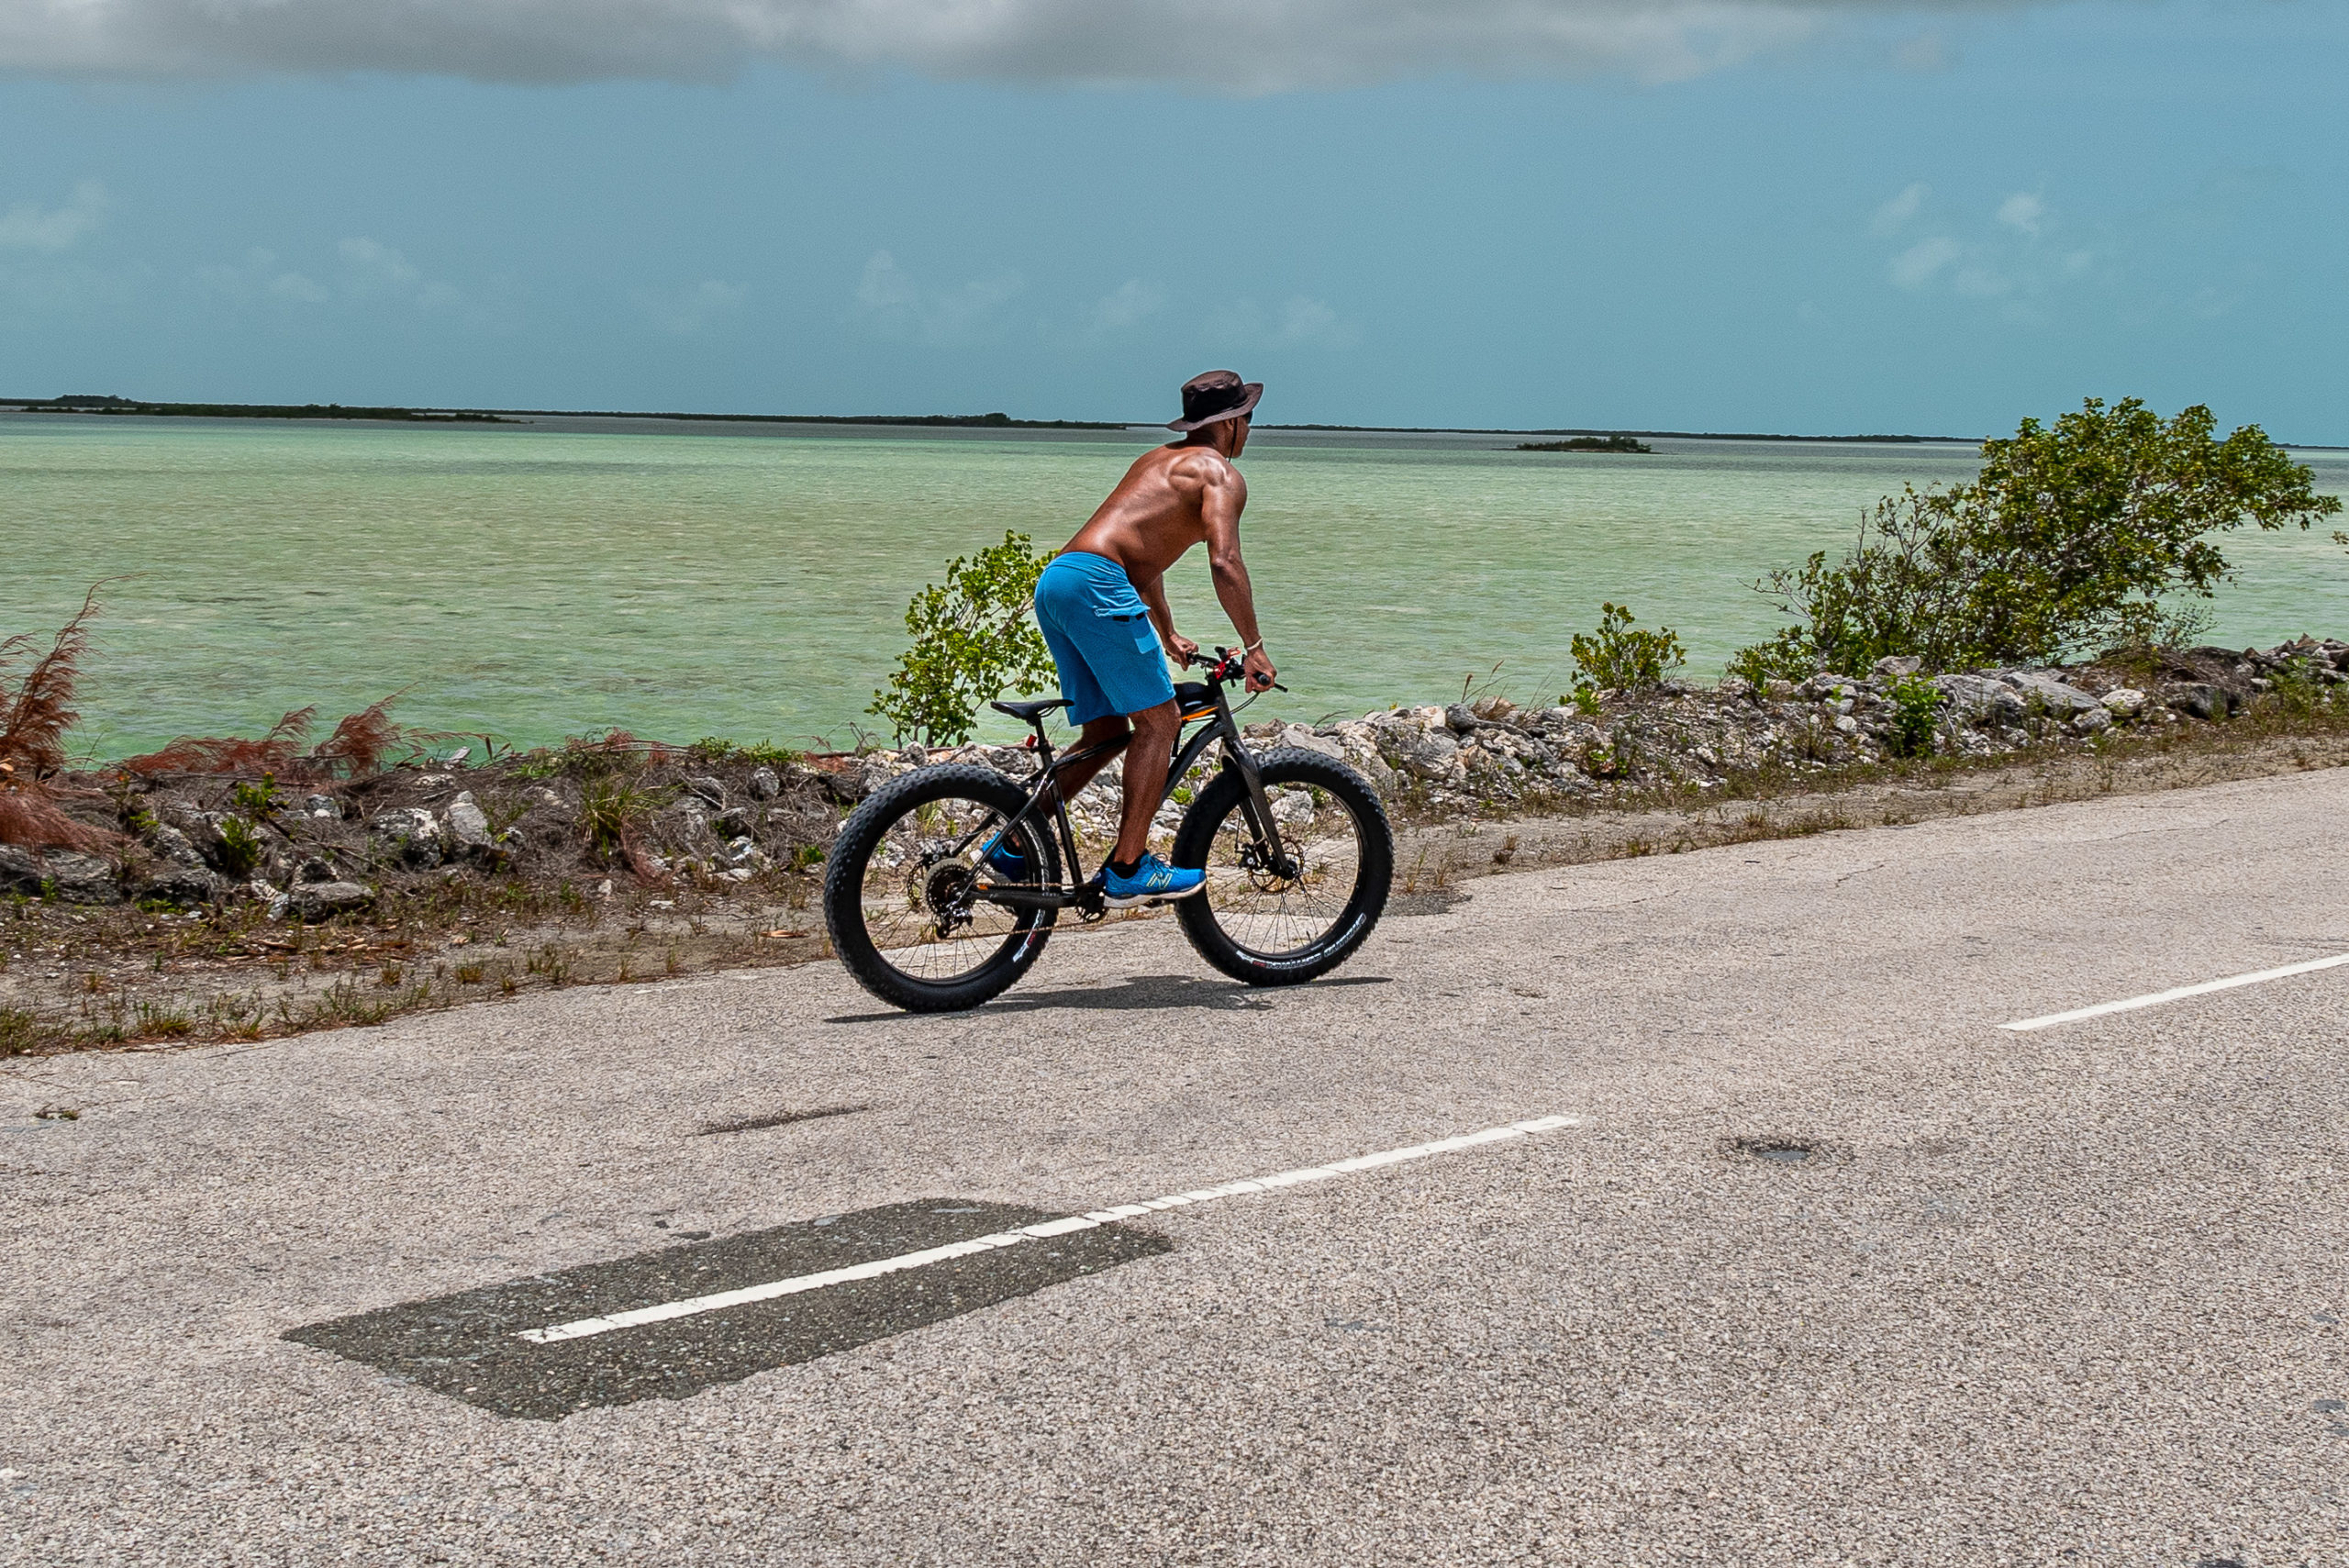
<point x="358" y="746"/>
<point x="36" y="710"/>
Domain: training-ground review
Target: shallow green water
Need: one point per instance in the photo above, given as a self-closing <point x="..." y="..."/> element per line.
<point x="542" y="582"/>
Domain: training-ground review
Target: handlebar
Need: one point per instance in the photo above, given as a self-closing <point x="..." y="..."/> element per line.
<point x="1228" y="664"/>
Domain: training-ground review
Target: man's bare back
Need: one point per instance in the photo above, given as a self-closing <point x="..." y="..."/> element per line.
<point x="1171" y="499"/>
<point x="1159" y="510"/>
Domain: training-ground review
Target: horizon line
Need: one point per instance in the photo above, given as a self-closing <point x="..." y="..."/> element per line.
<point x="422" y="413"/>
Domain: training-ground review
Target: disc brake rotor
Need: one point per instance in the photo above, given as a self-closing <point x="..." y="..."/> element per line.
<point x="1284" y="871"/>
<point x="947" y="895"/>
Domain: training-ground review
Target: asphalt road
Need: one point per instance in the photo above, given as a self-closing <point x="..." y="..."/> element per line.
<point x="2068" y="1296"/>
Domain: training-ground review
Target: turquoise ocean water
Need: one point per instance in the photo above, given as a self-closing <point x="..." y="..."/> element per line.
<point x="684" y="581"/>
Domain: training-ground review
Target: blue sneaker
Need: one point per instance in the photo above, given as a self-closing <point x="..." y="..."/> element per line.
<point x="1152" y="879"/>
<point x="1007" y="864"/>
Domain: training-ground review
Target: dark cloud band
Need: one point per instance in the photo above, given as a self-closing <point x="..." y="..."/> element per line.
<point x="1241" y="46"/>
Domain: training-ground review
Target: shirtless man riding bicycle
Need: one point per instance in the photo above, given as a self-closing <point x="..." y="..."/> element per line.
<point x="1102" y="606"/>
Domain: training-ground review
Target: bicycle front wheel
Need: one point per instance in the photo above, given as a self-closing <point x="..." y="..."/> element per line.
<point x="1299" y="911"/>
<point x="898" y="892"/>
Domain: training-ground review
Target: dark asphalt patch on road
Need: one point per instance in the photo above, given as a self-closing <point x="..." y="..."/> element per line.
<point x="465" y="1345"/>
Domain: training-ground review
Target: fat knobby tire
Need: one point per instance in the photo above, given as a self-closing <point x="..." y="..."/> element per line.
<point x="845" y="891"/>
<point x="1290" y="766"/>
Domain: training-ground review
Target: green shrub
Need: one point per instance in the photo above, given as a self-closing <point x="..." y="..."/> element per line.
<point x="972" y="641"/>
<point x="2069" y="541"/>
<point x="241" y="848"/>
<point x="613" y="809"/>
<point x="1916" y="714"/>
<point x="19" y="1032"/>
<point x="258" y="800"/>
<point x="2297" y="691"/>
<point x="757" y="753"/>
<point x="1785" y="657"/>
<point x="1618" y="658"/>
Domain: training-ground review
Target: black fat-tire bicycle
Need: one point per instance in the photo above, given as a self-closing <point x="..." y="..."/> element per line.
<point x="1296" y="846"/>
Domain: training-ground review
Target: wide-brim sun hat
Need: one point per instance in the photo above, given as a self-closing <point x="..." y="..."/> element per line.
<point x="1216" y="396"/>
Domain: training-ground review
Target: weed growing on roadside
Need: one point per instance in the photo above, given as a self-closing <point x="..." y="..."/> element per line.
<point x="613" y="810"/>
<point x="765" y="752"/>
<point x="18" y="1031"/>
<point x="1916" y="714"/>
<point x="241" y="848"/>
<point x="257" y="799"/>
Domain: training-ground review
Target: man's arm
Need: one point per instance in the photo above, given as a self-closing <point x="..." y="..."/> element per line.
<point x="1162" y="616"/>
<point x="1221" y="499"/>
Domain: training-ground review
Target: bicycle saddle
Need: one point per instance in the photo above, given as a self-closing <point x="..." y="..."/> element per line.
<point x="1029" y="712"/>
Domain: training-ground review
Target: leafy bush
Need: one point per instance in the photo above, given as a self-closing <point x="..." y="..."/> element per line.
<point x="1785" y="657"/>
<point x="1916" y="712"/>
<point x="972" y="641"/>
<point x="1618" y="658"/>
<point x="259" y="800"/>
<point x="2067" y="542"/>
<point x="241" y="848"/>
<point x="718" y="750"/>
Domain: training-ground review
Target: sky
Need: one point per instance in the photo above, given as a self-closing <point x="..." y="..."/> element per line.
<point x="1804" y="217"/>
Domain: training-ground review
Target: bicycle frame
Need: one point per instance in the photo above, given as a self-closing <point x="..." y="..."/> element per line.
<point x="1216" y="725"/>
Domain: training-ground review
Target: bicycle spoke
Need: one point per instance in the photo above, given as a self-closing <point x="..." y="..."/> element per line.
<point x="1284" y="907"/>
<point x="919" y="905"/>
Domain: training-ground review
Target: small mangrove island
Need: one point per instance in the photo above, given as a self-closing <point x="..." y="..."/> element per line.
<point x="1589" y="444"/>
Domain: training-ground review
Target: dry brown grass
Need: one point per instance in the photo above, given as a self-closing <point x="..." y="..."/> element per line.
<point x="36" y="710"/>
<point x="358" y="745"/>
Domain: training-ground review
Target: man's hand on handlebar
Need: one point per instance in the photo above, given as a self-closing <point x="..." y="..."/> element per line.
<point x="1182" y="648"/>
<point x="1229" y="665"/>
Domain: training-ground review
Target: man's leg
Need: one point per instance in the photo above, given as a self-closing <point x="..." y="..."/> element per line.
<point x="1146" y="763"/>
<point x="1078" y="774"/>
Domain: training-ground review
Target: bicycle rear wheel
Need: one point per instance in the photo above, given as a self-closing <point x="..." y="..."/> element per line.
<point x="1304" y="911"/>
<point x="897" y="893"/>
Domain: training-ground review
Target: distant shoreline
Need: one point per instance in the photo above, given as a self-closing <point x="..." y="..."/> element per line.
<point x="120" y="406"/>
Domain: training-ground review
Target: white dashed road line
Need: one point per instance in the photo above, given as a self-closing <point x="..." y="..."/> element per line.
<point x="2159" y="997"/>
<point x="583" y="1327"/>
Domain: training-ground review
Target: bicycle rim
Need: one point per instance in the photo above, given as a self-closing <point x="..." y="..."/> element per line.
<point x="917" y="909"/>
<point x="1291" y="907"/>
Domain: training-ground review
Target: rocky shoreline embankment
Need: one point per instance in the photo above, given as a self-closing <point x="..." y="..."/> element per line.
<point x="215" y="906"/>
<point x="653" y="815"/>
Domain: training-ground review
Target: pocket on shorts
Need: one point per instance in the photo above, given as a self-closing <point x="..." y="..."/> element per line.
<point x="1145" y="635"/>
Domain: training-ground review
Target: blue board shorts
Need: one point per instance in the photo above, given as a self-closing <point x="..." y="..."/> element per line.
<point x="1100" y="635"/>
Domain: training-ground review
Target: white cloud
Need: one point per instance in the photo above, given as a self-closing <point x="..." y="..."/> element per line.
<point x="687" y="311"/>
<point x="1894" y="214"/>
<point x="28" y="227"/>
<point x="2022" y="212"/>
<point x="1298" y="322"/>
<point x="2011" y="261"/>
<point x="1310" y="323"/>
<point x="1925" y="51"/>
<point x="1921" y="262"/>
<point x="898" y="306"/>
<point x="297" y="288"/>
<point x="369" y="270"/>
<point x="372" y="270"/>
<point x="1128" y="304"/>
<point x="258" y="275"/>
<point x="1246" y="46"/>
